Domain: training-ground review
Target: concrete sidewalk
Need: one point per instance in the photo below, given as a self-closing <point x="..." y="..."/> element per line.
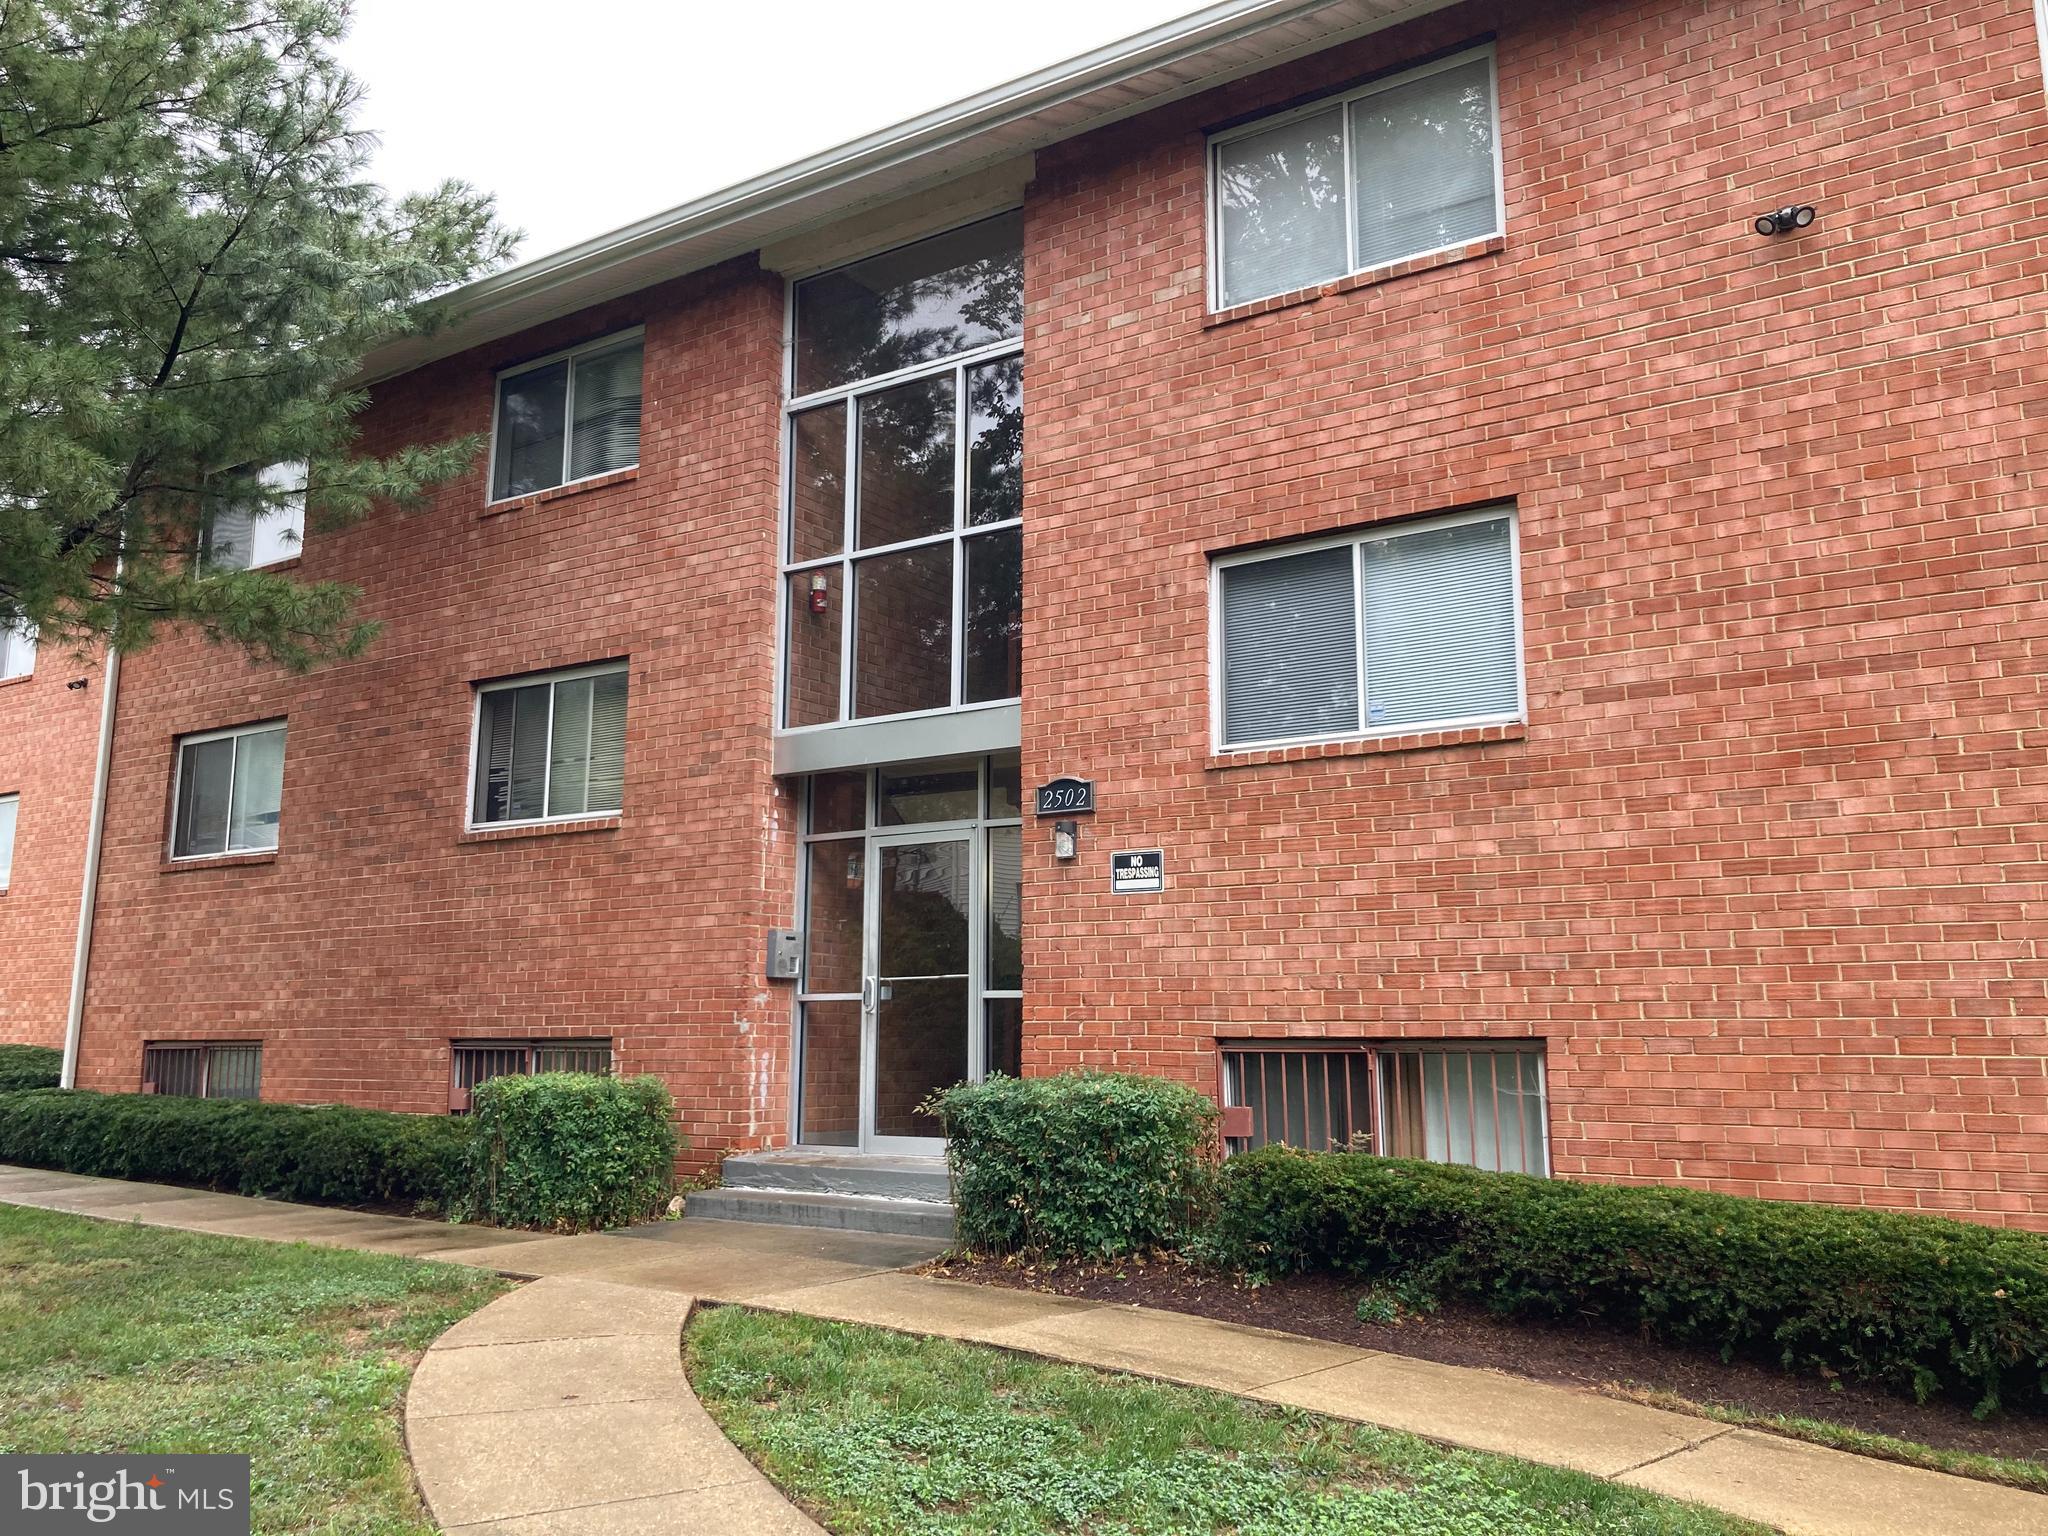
<point x="1802" y="1489"/>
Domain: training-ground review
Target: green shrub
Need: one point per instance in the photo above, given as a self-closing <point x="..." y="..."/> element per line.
<point x="570" y="1151"/>
<point x="29" y="1066"/>
<point x="1089" y="1165"/>
<point x="1917" y="1304"/>
<point x="329" y="1155"/>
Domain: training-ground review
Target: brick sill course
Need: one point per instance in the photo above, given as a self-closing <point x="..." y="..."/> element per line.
<point x="1492" y="245"/>
<point x="1372" y="746"/>
<point x="560" y="492"/>
<point x="541" y="829"/>
<point x="217" y="861"/>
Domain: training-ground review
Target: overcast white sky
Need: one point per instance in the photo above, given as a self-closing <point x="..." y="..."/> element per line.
<point x="586" y="116"/>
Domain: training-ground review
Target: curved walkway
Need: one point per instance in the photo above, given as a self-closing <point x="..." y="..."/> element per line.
<point x="562" y="1407"/>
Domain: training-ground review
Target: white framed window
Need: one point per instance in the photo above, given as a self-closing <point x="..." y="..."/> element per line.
<point x="569" y="416"/>
<point x="1412" y="626"/>
<point x="17" y="652"/>
<point x="550" y="747"/>
<point x="902" y="584"/>
<point x="1403" y="167"/>
<point x="226" y="791"/>
<point x="262" y="524"/>
<point x="10" y="815"/>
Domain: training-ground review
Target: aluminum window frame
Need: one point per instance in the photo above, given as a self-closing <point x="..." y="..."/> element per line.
<point x="608" y="342"/>
<point x="1358" y="538"/>
<point x="959" y="364"/>
<point x="975" y="829"/>
<point x="1342" y="100"/>
<point x="17" y="641"/>
<point x="296" y="508"/>
<point x="200" y="738"/>
<point x="534" y="680"/>
<point x="11" y="801"/>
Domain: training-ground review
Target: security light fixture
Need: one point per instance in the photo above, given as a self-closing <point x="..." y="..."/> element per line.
<point x="1064" y="836"/>
<point x="1782" y="221"/>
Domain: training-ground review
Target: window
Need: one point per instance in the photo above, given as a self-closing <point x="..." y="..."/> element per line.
<point x="1482" y="1105"/>
<point x="203" y="1071"/>
<point x="478" y="1061"/>
<point x="568" y="417"/>
<point x="229" y="786"/>
<point x="10" y="813"/>
<point x="17" y="652"/>
<point x="551" y="748"/>
<point x="1409" y="627"/>
<point x="1400" y="168"/>
<point x="902" y="560"/>
<point x="260" y="520"/>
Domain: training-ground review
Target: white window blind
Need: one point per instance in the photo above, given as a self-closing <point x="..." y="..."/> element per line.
<point x="1440" y="625"/>
<point x="1483" y="1108"/>
<point x="10" y="811"/>
<point x="552" y="748"/>
<point x="1407" y="628"/>
<point x="1290" y="652"/>
<point x="1397" y="169"/>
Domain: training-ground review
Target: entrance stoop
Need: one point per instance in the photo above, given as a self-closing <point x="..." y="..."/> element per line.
<point x="846" y="1191"/>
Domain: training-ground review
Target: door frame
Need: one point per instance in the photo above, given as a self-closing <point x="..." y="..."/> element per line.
<point x="970" y="835"/>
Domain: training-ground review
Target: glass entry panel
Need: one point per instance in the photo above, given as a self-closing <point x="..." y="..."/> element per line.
<point x="923" y="894"/>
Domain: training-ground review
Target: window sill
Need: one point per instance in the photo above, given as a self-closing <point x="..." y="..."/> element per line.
<point x="1373" y="746"/>
<point x="541" y="829"/>
<point x="22" y="677"/>
<point x="560" y="492"/>
<point x="217" y="861"/>
<point x="1492" y="245"/>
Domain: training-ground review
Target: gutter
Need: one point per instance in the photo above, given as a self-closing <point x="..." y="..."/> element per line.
<point x="88" y="895"/>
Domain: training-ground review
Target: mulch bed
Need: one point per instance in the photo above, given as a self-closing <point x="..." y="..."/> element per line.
<point x="1324" y="1307"/>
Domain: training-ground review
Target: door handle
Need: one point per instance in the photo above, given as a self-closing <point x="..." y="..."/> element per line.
<point x="867" y="994"/>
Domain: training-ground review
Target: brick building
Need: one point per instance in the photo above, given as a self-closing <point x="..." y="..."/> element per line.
<point x="1577" y="656"/>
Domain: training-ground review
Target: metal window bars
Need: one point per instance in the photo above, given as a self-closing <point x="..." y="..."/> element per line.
<point x="203" y="1070"/>
<point x="474" y="1062"/>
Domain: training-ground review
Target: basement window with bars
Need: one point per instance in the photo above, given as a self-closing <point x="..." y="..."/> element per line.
<point x="475" y="1062"/>
<point x="1406" y="627"/>
<point x="551" y="748"/>
<point x="569" y="416"/>
<point x="1481" y="1105"/>
<point x="203" y="1070"/>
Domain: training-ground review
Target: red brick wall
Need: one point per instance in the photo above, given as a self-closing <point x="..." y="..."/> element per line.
<point x="379" y="929"/>
<point x="1766" y="868"/>
<point x="48" y="734"/>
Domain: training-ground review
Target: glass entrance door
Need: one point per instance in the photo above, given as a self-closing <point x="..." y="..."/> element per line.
<point x="919" y="989"/>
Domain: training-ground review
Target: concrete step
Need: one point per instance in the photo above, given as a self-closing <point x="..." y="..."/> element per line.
<point x="805" y="1208"/>
<point x="841" y="1173"/>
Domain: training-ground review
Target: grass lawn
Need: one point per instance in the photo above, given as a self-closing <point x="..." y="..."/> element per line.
<point x="884" y="1435"/>
<point x="129" y="1338"/>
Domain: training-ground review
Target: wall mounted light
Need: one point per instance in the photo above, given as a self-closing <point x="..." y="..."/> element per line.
<point x="1065" y="836"/>
<point x="1782" y="221"/>
<point x="74" y="685"/>
<point x="820" y="592"/>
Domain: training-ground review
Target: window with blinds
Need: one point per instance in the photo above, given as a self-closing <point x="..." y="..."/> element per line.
<point x="551" y="748"/>
<point x="1416" y="626"/>
<point x="203" y="1070"/>
<point x="258" y="517"/>
<point x="1400" y="168"/>
<point x="568" y="417"/>
<point x="228" y="791"/>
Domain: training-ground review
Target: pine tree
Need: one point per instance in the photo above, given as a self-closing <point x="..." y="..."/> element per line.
<point x="193" y="264"/>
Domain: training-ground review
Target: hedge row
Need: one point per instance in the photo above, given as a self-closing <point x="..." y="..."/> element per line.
<point x="1917" y="1304"/>
<point x="1090" y="1165"/>
<point x="29" y="1066"/>
<point x="337" y="1155"/>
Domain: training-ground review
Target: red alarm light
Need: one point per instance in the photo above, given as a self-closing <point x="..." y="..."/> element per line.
<point x="820" y="594"/>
